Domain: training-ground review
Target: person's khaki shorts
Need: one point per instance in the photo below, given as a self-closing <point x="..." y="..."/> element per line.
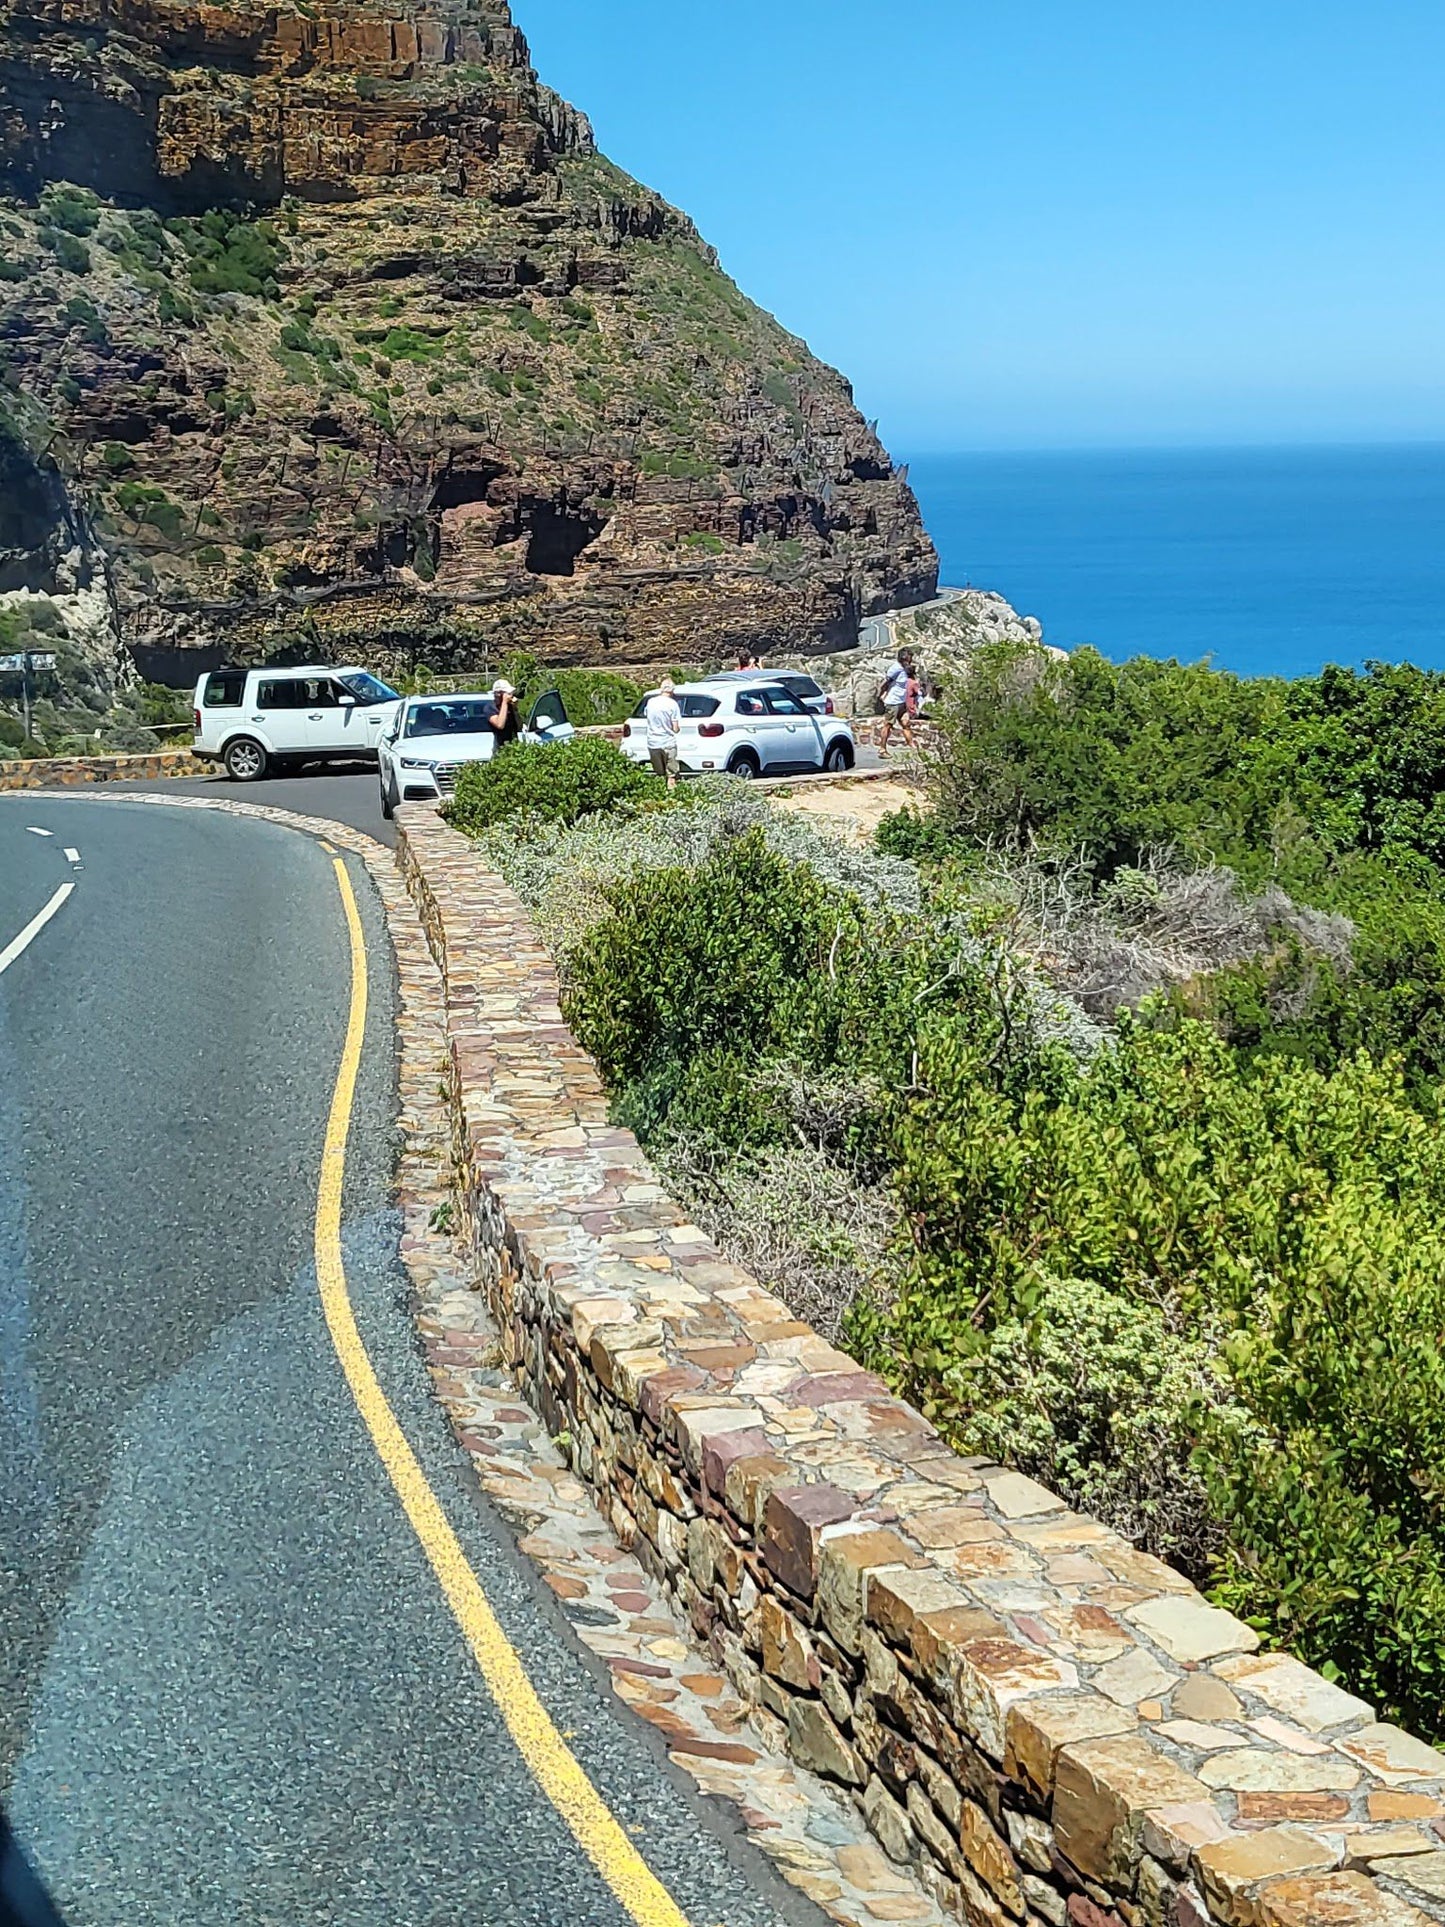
<point x="895" y="712"/>
<point x="664" y="762"/>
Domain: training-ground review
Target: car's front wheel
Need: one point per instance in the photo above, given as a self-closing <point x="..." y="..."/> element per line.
<point x="839" y="756"/>
<point x="388" y="808"/>
<point x="245" y="760"/>
<point x="744" y="762"/>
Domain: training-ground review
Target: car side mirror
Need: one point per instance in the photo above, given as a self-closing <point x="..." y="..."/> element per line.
<point x="348" y="702"/>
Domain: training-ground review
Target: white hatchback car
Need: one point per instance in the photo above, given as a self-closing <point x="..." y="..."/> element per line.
<point x="748" y="726"/>
<point x="254" y="720"/>
<point x="432" y="737"/>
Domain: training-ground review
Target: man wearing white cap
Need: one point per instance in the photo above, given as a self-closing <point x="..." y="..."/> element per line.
<point x="504" y="718"/>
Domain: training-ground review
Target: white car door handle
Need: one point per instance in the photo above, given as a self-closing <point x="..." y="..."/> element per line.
<point x="313" y="715"/>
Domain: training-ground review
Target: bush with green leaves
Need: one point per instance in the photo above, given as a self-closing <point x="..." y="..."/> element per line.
<point x="1113" y="760"/>
<point x="1300" y="1214"/>
<point x="231" y="255"/>
<point x="591" y="697"/>
<point x="1101" y="1397"/>
<point x="548" y="782"/>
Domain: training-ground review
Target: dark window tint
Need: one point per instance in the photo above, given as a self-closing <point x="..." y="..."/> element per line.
<point x="224" y="688"/>
<point x="781" y="703"/>
<point x="465" y="718"/>
<point x="298" y="692"/>
<point x="801" y="685"/>
<point x="367" y="689"/>
<point x="549" y="710"/>
<point x="281" y="693"/>
<point x="696" y="707"/>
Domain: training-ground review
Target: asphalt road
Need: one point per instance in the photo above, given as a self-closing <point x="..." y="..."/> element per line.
<point x="230" y="1690"/>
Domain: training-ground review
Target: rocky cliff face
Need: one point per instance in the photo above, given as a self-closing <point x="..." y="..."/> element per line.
<point x="327" y="329"/>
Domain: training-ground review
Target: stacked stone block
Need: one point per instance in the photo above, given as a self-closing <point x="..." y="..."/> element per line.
<point x="1049" y="1727"/>
<point x="50" y="772"/>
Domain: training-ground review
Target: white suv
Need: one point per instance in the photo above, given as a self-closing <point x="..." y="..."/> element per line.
<point x="253" y="720"/>
<point x="432" y="737"/>
<point x="749" y="726"/>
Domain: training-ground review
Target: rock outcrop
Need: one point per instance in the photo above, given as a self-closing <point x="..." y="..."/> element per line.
<point x="942" y="635"/>
<point x="331" y="332"/>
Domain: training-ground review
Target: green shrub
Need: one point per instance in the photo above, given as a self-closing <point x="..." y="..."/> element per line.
<point x="527" y="322"/>
<point x="553" y="782"/>
<point x="12" y="731"/>
<point x="1300" y="1213"/>
<point x="117" y="457"/>
<point x="74" y="209"/>
<point x="1099" y="1398"/>
<point x="70" y="252"/>
<point x="230" y="255"/>
<point x="711" y="961"/>
<point x="409" y="344"/>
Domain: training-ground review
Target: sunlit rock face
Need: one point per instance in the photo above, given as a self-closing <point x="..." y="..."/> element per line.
<point x="328" y="330"/>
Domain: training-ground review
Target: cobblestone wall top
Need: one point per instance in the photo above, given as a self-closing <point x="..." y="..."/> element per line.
<point x="1047" y="1724"/>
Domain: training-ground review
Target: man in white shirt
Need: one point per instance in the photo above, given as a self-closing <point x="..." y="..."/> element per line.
<point x="664" y="726"/>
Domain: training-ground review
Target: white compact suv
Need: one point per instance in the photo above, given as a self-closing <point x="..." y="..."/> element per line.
<point x="748" y="725"/>
<point x="254" y="720"/>
<point x="432" y="737"/>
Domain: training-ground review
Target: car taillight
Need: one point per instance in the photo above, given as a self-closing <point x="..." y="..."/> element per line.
<point x="709" y="729"/>
<point x="627" y="729"/>
<point x="197" y="714"/>
<point x="827" y="705"/>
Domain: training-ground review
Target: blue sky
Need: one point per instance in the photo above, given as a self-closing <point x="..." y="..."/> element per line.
<point x="1056" y="223"/>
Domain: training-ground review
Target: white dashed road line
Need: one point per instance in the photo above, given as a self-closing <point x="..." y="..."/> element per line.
<point x="35" y="832"/>
<point x="36" y="924"/>
<point x="71" y="856"/>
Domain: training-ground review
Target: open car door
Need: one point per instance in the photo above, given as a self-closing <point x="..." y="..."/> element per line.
<point x="548" y="722"/>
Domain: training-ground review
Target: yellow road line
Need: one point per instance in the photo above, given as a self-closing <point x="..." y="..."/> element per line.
<point x="548" y="1758"/>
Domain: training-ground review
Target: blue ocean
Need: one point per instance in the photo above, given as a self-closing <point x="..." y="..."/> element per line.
<point x="1266" y="561"/>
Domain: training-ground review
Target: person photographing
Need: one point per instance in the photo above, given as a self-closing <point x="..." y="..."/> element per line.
<point x="664" y="726"/>
<point x="505" y="723"/>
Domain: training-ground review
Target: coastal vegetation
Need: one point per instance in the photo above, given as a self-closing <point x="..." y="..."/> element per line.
<point x="1098" y="1108"/>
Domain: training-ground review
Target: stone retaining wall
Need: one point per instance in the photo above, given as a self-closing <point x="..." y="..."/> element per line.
<point x="46" y="772"/>
<point x="1048" y="1725"/>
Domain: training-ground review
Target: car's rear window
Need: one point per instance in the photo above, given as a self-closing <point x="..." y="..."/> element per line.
<point x="693" y="708"/>
<point x="224" y="688"/>
<point x="801" y="685"/>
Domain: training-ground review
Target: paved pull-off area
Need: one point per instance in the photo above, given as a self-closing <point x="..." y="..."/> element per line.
<point x="232" y="1689"/>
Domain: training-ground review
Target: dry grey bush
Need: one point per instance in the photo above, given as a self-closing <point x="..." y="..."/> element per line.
<point x="803" y="1224"/>
<point x="1151" y="928"/>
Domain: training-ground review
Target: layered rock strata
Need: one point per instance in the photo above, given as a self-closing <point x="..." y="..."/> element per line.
<point x="1050" y="1727"/>
<point x="327" y="330"/>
